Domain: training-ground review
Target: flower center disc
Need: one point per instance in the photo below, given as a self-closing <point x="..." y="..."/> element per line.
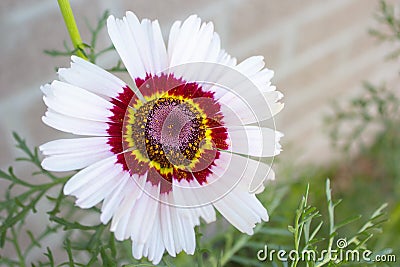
<point x="173" y="132"/>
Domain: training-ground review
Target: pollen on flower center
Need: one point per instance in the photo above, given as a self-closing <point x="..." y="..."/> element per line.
<point x="168" y="131"/>
<point x="173" y="123"/>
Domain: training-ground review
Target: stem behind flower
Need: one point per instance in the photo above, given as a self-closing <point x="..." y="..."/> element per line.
<point x="73" y="31"/>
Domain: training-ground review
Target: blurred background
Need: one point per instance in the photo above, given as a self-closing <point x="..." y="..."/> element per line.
<point x="320" y="51"/>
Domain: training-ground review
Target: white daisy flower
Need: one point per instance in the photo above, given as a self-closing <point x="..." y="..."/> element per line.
<point x="165" y="153"/>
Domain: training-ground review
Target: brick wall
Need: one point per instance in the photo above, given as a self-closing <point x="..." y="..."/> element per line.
<point x="320" y="51"/>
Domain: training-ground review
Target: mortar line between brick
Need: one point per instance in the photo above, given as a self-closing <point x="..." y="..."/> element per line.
<point x="274" y="31"/>
<point x="354" y="66"/>
<point x="320" y="50"/>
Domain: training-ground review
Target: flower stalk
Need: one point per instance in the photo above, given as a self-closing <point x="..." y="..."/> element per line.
<point x="72" y="28"/>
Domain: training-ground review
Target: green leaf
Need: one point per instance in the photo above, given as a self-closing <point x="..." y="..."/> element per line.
<point x="49" y="255"/>
<point x="72" y="225"/>
<point x="348" y="221"/>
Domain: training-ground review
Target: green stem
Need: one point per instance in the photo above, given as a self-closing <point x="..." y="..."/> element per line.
<point x="239" y="244"/>
<point x="198" y="253"/>
<point x="73" y="31"/>
<point x="17" y="248"/>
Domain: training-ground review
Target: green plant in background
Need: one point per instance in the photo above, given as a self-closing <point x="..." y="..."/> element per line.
<point x="376" y="106"/>
<point x="390" y="31"/>
<point x="312" y="234"/>
<point x="374" y="173"/>
<point x="299" y="221"/>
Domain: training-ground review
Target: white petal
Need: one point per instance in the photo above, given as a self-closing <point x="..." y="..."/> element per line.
<point x="189" y="235"/>
<point x="140" y="34"/>
<point x="252" y="68"/>
<point x="73" y="154"/>
<point x="75" y="161"/>
<point x="176" y="225"/>
<point x="153" y="249"/>
<point x="137" y="250"/>
<point x="254" y="141"/>
<point x="122" y="219"/>
<point x="262" y="80"/>
<point x="75" y="145"/>
<point x="159" y="251"/>
<point x="183" y="43"/>
<point x="113" y="200"/>
<point x="189" y="212"/>
<point x="244" y="91"/>
<point x="160" y="58"/>
<point x="173" y="37"/>
<point x="126" y="47"/>
<point x="87" y="176"/>
<point x="234" y="215"/>
<point x="166" y="226"/>
<point x="156" y="250"/>
<point x="88" y="76"/>
<point x="224" y="58"/>
<point x="240" y="208"/>
<point x="92" y="184"/>
<point x="74" y="125"/>
<point x="75" y="102"/>
<point x="202" y="44"/>
<point x="46" y="89"/>
<point x="241" y="107"/>
<point x="246" y="174"/>
<point x="140" y="45"/>
<point x="182" y="225"/>
<point x="150" y="43"/>
<point x="188" y="196"/>
<point x="273" y="98"/>
<point x="146" y="237"/>
<point x="90" y="196"/>
<point x="242" y="100"/>
<point x="251" y="65"/>
<point x="232" y="171"/>
<point x="251" y="202"/>
<point x="258" y="183"/>
<point x="145" y="212"/>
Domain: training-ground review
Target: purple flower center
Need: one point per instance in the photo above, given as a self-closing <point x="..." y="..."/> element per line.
<point x="172" y="124"/>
